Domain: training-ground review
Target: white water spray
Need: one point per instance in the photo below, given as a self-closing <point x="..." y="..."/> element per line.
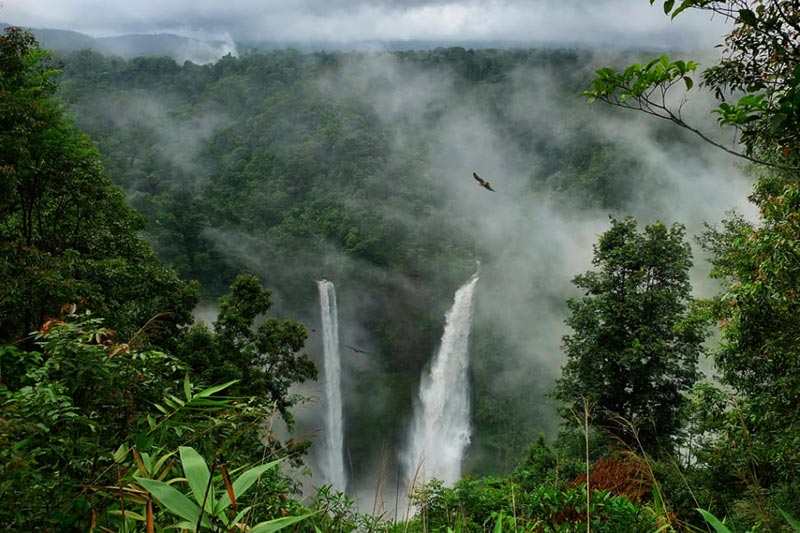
<point x="440" y="431"/>
<point x="332" y="463"/>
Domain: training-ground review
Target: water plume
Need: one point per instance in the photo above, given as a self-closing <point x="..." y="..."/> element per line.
<point x="440" y="429"/>
<point x="332" y="463"/>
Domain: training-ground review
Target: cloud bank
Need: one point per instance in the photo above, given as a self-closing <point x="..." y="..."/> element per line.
<point x="608" y="23"/>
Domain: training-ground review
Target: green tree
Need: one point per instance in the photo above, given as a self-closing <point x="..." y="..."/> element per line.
<point x="750" y="438"/>
<point x="634" y="347"/>
<point x="66" y="233"/>
<point x="265" y="359"/>
<point x="758" y="358"/>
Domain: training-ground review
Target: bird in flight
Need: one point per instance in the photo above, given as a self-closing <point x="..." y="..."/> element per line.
<point x="482" y="182"/>
<point x="356" y="350"/>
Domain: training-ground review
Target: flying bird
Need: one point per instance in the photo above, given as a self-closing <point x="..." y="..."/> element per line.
<point x="356" y="350"/>
<point x="482" y="182"/>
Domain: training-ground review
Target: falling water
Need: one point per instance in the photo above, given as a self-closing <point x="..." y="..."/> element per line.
<point x="332" y="463"/>
<point x="440" y="432"/>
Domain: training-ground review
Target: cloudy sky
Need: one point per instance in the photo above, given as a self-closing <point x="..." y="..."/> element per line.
<point x="617" y="23"/>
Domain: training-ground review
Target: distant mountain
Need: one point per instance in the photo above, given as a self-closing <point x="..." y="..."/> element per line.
<point x="203" y="51"/>
<point x="158" y="44"/>
<point x="64" y="40"/>
<point x="397" y="46"/>
<point x="166" y="44"/>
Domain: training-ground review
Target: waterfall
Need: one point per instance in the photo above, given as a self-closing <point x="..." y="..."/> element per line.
<point x="332" y="463"/>
<point x="440" y="430"/>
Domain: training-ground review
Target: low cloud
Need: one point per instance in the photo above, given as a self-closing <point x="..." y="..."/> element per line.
<point x="531" y="240"/>
<point x="609" y="23"/>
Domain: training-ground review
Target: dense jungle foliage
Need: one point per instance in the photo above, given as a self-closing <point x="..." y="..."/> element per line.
<point x="300" y="166"/>
<point x="306" y="166"/>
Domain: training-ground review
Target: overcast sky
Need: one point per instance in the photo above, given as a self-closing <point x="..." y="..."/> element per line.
<point x="619" y="23"/>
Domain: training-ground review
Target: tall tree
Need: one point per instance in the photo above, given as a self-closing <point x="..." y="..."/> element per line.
<point x="754" y="438"/>
<point x="759" y="358"/>
<point x="66" y="233"/>
<point x="266" y="358"/>
<point x="634" y="347"/>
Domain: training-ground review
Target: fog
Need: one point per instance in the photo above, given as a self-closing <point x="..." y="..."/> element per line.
<point x="530" y="242"/>
<point x="530" y="237"/>
<point x="615" y="23"/>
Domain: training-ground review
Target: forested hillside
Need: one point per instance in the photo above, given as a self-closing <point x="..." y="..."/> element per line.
<point x="140" y="193"/>
<point x="357" y="168"/>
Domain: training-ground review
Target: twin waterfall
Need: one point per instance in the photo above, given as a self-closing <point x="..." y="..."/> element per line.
<point x="440" y="431"/>
<point x="332" y="463"/>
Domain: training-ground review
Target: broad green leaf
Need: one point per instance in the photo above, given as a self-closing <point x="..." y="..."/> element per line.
<point x="121" y="452"/>
<point x="689" y="83"/>
<point x="792" y="522"/>
<point x="278" y="524"/>
<point x="718" y="526"/>
<point x="241" y="515"/>
<point x="174" y="501"/>
<point x="187" y="388"/>
<point x="605" y="72"/>
<point x="683" y="7"/>
<point x="215" y="389"/>
<point x="197" y="475"/>
<point x="658" y="502"/>
<point x="668" y="5"/>
<point x="498" y="525"/>
<point x="174" y="399"/>
<point x="160" y="465"/>
<point x="127" y="514"/>
<point x="147" y="462"/>
<point x="242" y="483"/>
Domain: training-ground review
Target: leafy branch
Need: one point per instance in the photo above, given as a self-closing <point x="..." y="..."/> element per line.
<point x="645" y="88"/>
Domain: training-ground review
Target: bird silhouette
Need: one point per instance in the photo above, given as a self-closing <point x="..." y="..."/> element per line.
<point x="356" y="350"/>
<point x="482" y="182"/>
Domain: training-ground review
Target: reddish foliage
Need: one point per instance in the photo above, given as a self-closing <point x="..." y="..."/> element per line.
<point x="621" y="476"/>
<point x="47" y="326"/>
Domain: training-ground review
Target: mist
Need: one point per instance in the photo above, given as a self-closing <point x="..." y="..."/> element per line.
<point x="614" y="23"/>
<point x="531" y="236"/>
<point x="530" y="241"/>
<point x="530" y="244"/>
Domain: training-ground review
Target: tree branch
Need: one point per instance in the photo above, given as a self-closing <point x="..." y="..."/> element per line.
<point x="649" y="109"/>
